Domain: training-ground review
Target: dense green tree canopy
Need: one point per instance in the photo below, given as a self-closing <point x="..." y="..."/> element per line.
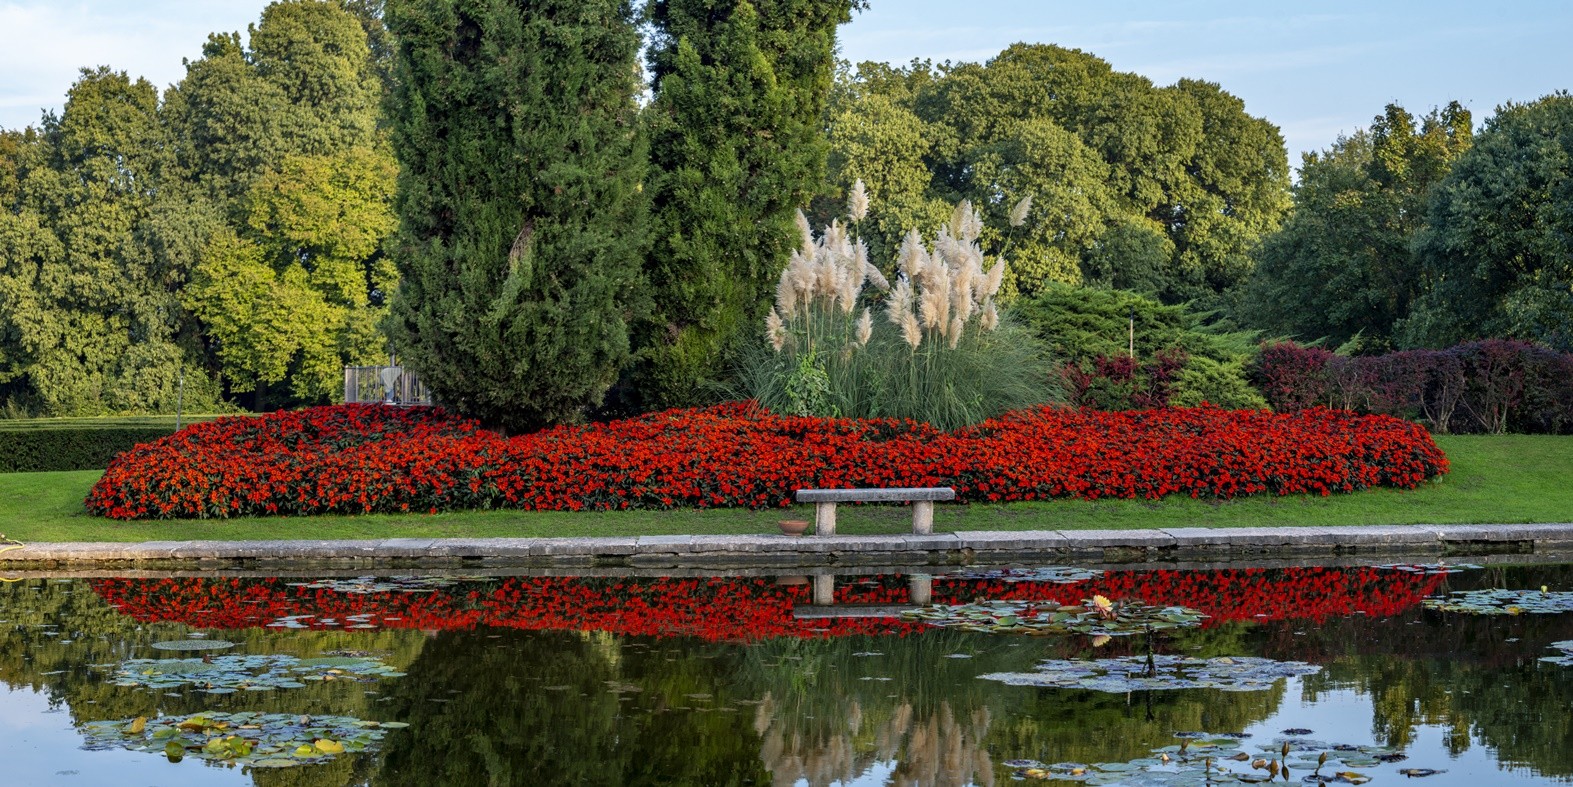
<point x="86" y="320"/>
<point x="736" y="146"/>
<point x="1496" y="254"/>
<point x="1164" y="189"/>
<point x="520" y="201"/>
<point x="1342" y="265"/>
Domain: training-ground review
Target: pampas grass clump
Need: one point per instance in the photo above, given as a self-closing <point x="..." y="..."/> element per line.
<point x="944" y="352"/>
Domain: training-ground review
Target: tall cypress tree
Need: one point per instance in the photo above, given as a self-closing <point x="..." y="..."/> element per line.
<point x="737" y="145"/>
<point x="520" y="201"/>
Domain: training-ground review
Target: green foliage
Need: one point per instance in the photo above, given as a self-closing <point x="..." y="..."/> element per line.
<point x="520" y="201"/>
<point x="88" y="324"/>
<point x="146" y="242"/>
<point x="287" y="295"/>
<point x="737" y="144"/>
<point x="987" y="374"/>
<point x="1162" y="189"/>
<point x="1341" y="266"/>
<point x="1081" y="324"/>
<point x="74" y="444"/>
<point x="279" y="149"/>
<point x="1497" y="253"/>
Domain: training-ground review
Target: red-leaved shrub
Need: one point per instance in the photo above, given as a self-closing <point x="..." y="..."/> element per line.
<point x="371" y="458"/>
<point x="1493" y="386"/>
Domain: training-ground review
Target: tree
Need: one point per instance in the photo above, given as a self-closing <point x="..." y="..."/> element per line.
<point x="289" y="185"/>
<point x="520" y="201"/>
<point x="289" y="294"/>
<point x="737" y="145"/>
<point x="1122" y="172"/>
<point x="88" y="323"/>
<point x="1341" y="266"/>
<point x="1496" y="255"/>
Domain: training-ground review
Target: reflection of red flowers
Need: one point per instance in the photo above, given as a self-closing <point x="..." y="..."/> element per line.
<point x="360" y="458"/>
<point x="746" y="609"/>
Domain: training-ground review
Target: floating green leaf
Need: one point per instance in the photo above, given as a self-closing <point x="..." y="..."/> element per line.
<point x="1566" y="659"/>
<point x="1040" y="618"/>
<point x="264" y="740"/>
<point x="1429" y="569"/>
<point x="193" y="644"/>
<point x="1136" y="673"/>
<point x="1059" y="575"/>
<point x="1218" y="758"/>
<point x="226" y="674"/>
<point x="1503" y="602"/>
<point x="399" y="584"/>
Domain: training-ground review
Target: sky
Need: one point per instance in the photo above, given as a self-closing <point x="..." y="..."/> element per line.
<point x="1316" y="70"/>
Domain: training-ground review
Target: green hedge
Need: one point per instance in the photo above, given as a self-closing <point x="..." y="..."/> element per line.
<point x="47" y="444"/>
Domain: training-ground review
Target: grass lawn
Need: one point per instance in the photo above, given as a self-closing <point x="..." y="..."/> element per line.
<point x="1514" y="478"/>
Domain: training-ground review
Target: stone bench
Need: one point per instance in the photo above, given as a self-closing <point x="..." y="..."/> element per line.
<point x="921" y="498"/>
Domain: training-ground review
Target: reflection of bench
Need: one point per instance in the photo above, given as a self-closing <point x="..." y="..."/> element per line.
<point x="922" y="500"/>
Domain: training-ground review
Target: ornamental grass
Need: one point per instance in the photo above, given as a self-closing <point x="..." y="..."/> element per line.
<point x="939" y="350"/>
<point x="354" y="459"/>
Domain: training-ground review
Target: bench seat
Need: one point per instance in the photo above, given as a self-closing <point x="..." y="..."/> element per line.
<point x="921" y="498"/>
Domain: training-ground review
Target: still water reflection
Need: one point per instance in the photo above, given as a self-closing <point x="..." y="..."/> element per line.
<point x="743" y="680"/>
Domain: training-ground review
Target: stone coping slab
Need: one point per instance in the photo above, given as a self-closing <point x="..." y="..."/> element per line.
<point x="899" y="494"/>
<point x="1123" y="546"/>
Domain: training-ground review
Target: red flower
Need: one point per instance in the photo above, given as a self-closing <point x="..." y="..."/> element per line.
<point x="369" y="458"/>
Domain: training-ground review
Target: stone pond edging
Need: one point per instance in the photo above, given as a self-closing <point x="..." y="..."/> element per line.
<point x="750" y="551"/>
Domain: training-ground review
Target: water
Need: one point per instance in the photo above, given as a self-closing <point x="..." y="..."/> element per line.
<point x="723" y="680"/>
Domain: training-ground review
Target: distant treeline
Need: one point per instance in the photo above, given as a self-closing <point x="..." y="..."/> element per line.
<point x="347" y="178"/>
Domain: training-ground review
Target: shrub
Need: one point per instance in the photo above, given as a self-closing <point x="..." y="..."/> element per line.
<point x="1491" y="386"/>
<point x="43" y="445"/>
<point x="941" y="353"/>
<point x="1090" y="328"/>
<point x="368" y="458"/>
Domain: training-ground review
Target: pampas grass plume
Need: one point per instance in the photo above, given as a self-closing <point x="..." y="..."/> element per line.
<point x="786" y="294"/>
<point x="910" y="330"/>
<point x="775" y="330"/>
<point x="857" y="201"/>
<point x="1018" y="214"/>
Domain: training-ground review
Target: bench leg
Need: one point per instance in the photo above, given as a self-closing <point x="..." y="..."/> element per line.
<point x="824" y="590"/>
<point x="923" y="516"/>
<point x="824" y="519"/>
<point x="920" y="588"/>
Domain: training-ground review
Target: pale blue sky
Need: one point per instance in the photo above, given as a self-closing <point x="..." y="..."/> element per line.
<point x="1315" y="70"/>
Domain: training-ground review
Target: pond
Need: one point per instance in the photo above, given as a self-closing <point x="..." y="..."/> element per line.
<point x="1339" y="674"/>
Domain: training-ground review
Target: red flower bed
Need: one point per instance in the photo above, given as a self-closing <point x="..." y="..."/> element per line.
<point x="746" y="609"/>
<point x="369" y="458"/>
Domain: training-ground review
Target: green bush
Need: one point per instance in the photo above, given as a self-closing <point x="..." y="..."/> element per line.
<point x="1084" y="324"/>
<point x="940" y="351"/>
<point x="40" y="445"/>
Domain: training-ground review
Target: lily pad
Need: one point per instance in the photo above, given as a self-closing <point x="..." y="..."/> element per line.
<point x="226" y="674"/>
<point x="1212" y="759"/>
<point x="193" y="644"/>
<point x="1566" y="659"/>
<point x="1096" y="616"/>
<point x="399" y="584"/>
<point x="1136" y="673"/>
<point x="270" y="740"/>
<point x="1503" y="602"/>
<point x="1429" y="569"/>
<point x="1058" y="575"/>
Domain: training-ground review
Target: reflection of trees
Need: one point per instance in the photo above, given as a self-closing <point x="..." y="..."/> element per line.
<point x="509" y="707"/>
<point x="939" y="724"/>
<point x="1477" y="676"/>
<point x="91" y="632"/>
